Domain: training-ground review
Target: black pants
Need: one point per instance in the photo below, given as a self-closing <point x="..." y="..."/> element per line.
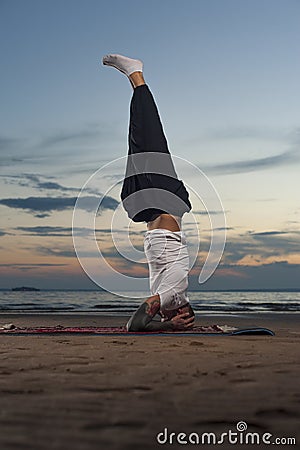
<point x="151" y="186"/>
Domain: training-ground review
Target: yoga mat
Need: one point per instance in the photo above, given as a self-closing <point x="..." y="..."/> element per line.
<point x="212" y="330"/>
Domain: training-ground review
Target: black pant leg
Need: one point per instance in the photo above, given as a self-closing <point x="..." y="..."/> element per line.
<point x="145" y="129"/>
<point x="146" y="170"/>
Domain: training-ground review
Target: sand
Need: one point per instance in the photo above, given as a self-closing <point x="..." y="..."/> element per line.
<point x="119" y="392"/>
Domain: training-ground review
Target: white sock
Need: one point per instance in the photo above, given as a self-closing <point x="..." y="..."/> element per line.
<point x="123" y="64"/>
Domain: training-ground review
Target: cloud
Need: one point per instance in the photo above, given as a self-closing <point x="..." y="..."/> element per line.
<point x="46" y="231"/>
<point x="91" y="132"/>
<point x="285" y="158"/>
<point x="36" y="181"/>
<point x="7" y="143"/>
<point x="69" y="136"/>
<point x="261" y="245"/>
<point x="276" y="275"/>
<point x="113" y="253"/>
<point x="204" y="213"/>
<point x="50" y="185"/>
<point x="47" y="205"/>
<point x="67" y="231"/>
<point x="68" y="144"/>
<point x="58" y="231"/>
<point x="269" y="233"/>
<point x="248" y="132"/>
<point x="280" y="242"/>
<point x="31" y="265"/>
<point x="57" y="251"/>
<point x="64" y="252"/>
<point x="120" y="230"/>
<point x="41" y="216"/>
<point x="24" y="267"/>
<point x="209" y="230"/>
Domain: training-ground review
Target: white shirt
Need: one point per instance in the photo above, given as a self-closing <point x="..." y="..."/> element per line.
<point x="168" y="260"/>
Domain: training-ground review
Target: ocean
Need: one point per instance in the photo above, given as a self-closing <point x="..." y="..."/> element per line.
<point x="103" y="303"/>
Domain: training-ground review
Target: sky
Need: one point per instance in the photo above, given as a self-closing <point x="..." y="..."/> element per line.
<point x="225" y="76"/>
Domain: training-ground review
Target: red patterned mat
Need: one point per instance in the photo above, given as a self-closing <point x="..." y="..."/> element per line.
<point x="10" y="329"/>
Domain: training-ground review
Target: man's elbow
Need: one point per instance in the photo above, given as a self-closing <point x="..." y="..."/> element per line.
<point x="131" y="327"/>
<point x="134" y="325"/>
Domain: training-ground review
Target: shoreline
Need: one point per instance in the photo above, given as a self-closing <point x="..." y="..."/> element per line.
<point x="276" y="319"/>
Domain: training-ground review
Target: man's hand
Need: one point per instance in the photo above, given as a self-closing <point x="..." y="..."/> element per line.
<point x="183" y="321"/>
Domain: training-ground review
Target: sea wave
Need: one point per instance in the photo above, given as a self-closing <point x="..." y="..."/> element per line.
<point x="99" y="302"/>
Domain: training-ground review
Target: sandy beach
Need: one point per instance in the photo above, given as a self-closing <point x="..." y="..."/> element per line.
<point x="118" y="392"/>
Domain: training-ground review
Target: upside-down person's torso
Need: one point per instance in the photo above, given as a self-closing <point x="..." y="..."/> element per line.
<point x="165" y="221"/>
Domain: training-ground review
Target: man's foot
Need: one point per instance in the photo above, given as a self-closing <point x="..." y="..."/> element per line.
<point x="123" y="64"/>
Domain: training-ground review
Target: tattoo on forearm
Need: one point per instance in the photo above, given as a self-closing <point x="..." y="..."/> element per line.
<point x="152" y="307"/>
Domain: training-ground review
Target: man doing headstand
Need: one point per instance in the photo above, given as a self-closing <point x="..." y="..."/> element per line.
<point x="152" y="193"/>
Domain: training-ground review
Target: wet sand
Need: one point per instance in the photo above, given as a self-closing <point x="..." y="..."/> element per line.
<point x="118" y="392"/>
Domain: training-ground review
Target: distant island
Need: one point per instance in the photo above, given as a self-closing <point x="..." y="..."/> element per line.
<point x="25" y="288"/>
